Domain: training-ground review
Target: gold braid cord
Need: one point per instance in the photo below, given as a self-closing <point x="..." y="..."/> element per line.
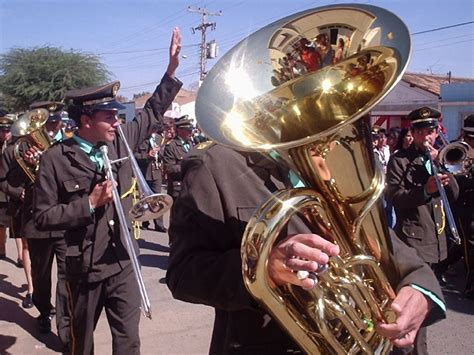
<point x="134" y="192"/>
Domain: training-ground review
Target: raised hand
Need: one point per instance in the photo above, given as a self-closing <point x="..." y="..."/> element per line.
<point x="175" y="49"/>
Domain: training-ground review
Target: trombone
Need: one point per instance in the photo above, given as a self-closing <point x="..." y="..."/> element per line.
<point x="444" y="198"/>
<point x="456" y="157"/>
<point x="150" y="206"/>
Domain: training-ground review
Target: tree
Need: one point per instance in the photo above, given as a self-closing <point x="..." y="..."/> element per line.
<point x="136" y="96"/>
<point x="46" y="73"/>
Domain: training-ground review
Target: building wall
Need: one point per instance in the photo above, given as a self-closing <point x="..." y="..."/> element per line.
<point x="457" y="102"/>
<point x="404" y="98"/>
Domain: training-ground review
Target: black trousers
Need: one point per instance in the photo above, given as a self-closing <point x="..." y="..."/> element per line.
<point x="42" y="253"/>
<point x="155" y="186"/>
<point x="120" y="297"/>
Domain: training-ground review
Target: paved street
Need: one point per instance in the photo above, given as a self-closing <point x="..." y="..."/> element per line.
<point x="177" y="327"/>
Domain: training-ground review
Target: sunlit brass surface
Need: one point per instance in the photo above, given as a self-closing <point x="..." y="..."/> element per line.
<point x="150" y="205"/>
<point x="30" y="127"/>
<point x="316" y="122"/>
<point x="456" y="158"/>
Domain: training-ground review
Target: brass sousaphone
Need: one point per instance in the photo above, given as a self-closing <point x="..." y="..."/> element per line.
<point x="280" y="90"/>
<point x="31" y="130"/>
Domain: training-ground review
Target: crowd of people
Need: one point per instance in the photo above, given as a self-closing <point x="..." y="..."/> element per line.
<point x="62" y="207"/>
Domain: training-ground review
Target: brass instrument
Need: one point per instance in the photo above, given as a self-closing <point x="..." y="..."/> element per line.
<point x="157" y="163"/>
<point x="456" y="158"/>
<point x="146" y="307"/>
<point x="30" y="127"/>
<point x="316" y="122"/>
<point x="444" y="198"/>
<point x="148" y="207"/>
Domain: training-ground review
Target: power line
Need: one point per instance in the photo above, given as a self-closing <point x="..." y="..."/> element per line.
<point x="443" y="28"/>
<point x="444" y="45"/>
<point x="147" y="50"/>
<point x="156" y="81"/>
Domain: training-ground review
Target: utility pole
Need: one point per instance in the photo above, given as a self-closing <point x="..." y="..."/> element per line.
<point x="208" y="50"/>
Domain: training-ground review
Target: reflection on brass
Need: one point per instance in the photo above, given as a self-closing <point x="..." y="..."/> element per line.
<point x="318" y="75"/>
<point x="456" y="158"/>
<point x="30" y="127"/>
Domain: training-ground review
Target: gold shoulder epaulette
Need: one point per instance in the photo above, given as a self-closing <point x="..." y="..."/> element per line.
<point x="204" y="145"/>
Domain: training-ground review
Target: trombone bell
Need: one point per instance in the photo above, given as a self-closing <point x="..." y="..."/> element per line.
<point x="151" y="207"/>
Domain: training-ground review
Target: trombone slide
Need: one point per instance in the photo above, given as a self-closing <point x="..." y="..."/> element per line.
<point x="146" y="307"/>
<point x="444" y="199"/>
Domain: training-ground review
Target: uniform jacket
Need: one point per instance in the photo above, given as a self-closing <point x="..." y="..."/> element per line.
<point x="147" y="164"/>
<point x="418" y="217"/>
<point x="16" y="177"/>
<point x="465" y="203"/>
<point x="95" y="246"/>
<point x="173" y="154"/>
<point x="13" y="192"/>
<point x="221" y="190"/>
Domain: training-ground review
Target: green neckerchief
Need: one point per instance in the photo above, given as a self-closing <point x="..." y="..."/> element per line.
<point x="427" y="163"/>
<point x="58" y="136"/>
<point x="94" y="154"/>
<point x="294" y="179"/>
<point x="186" y="145"/>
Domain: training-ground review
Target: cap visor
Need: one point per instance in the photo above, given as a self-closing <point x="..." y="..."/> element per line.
<point x="109" y="105"/>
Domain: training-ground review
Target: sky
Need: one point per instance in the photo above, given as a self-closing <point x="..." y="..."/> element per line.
<point x="132" y="37"/>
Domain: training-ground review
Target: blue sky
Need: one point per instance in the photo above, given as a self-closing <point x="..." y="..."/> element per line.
<point x="132" y="37"/>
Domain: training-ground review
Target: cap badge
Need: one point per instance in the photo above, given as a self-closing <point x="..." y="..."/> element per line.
<point x="115" y="89"/>
<point x="425" y="112"/>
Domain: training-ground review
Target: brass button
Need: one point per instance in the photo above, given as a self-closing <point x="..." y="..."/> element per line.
<point x="76" y="187"/>
<point x="111" y="223"/>
<point x="436" y="205"/>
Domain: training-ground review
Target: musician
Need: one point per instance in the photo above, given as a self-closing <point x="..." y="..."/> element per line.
<point x="150" y="162"/>
<point x="44" y="246"/>
<point x="221" y="189"/>
<point x="15" y="195"/>
<point x="71" y="193"/>
<point x="5" y="136"/>
<point x="412" y="188"/>
<point x="174" y="152"/>
<point x="465" y="207"/>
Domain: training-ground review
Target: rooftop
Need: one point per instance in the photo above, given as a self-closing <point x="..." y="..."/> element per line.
<point x="432" y="82"/>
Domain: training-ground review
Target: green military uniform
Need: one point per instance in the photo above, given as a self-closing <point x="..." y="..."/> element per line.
<point x="421" y="221"/>
<point x="98" y="267"/>
<point x="173" y="154"/>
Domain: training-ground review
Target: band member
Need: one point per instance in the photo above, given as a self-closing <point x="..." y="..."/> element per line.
<point x="150" y="162"/>
<point x="413" y="190"/>
<point x="221" y="189"/>
<point x="465" y="206"/>
<point x="16" y="195"/>
<point x="44" y="246"/>
<point x="71" y="194"/>
<point x="174" y="152"/>
<point x="5" y="136"/>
